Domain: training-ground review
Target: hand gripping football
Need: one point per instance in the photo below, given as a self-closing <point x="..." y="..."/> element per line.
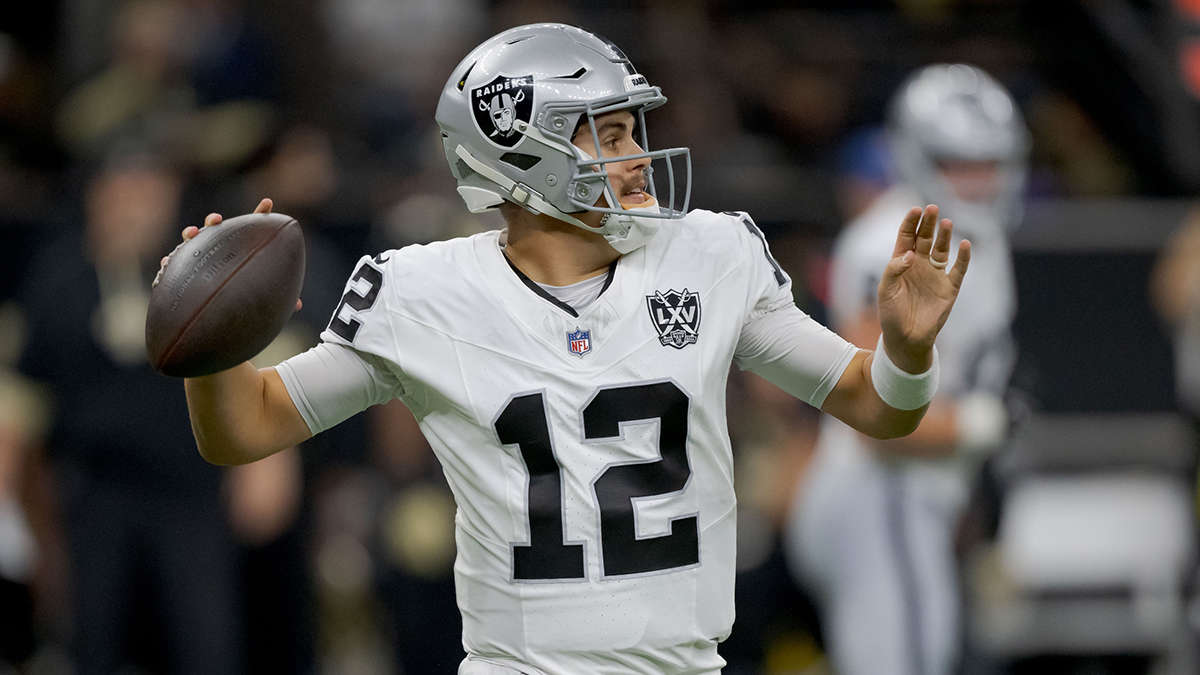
<point x="225" y="294"/>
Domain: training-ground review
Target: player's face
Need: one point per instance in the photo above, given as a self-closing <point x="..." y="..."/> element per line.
<point x="972" y="181"/>
<point x="614" y="132"/>
<point x="130" y="211"/>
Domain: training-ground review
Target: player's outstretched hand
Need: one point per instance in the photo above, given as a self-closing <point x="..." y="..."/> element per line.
<point x="916" y="292"/>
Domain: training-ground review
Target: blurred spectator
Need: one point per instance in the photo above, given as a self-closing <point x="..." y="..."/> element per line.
<point x="415" y="543"/>
<point x="229" y="54"/>
<point x="774" y="437"/>
<point x="864" y="171"/>
<point x="300" y="172"/>
<point x="423" y="206"/>
<point x="793" y="83"/>
<point x="391" y="60"/>
<point x="142" y="90"/>
<point x="162" y="51"/>
<point x="144" y="521"/>
<point x="23" y="417"/>
<point x="872" y="527"/>
<point x="151" y="552"/>
<point x="1084" y="163"/>
<point x="27" y="147"/>
<point x="1175" y="294"/>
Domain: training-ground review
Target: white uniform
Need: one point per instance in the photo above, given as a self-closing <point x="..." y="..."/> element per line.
<point x="588" y="454"/>
<point x="873" y="537"/>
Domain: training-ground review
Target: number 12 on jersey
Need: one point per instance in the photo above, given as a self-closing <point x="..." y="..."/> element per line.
<point x="548" y="555"/>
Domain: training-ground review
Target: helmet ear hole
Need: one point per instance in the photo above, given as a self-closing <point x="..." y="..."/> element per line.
<point x="519" y="160"/>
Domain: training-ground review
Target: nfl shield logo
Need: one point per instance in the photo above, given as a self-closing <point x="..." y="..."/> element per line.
<point x="579" y="342"/>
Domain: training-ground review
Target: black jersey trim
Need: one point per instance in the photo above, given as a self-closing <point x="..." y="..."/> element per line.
<point x="612" y="272"/>
<point x="542" y="293"/>
<point x="780" y="277"/>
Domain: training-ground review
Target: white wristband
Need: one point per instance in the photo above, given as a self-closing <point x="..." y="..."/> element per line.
<point x="901" y="390"/>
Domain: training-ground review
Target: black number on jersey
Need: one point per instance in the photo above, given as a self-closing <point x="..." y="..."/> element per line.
<point x="622" y="552"/>
<point x="347" y="329"/>
<point x="548" y="556"/>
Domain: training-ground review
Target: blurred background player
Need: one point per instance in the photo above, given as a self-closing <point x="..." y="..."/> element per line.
<point x="872" y="526"/>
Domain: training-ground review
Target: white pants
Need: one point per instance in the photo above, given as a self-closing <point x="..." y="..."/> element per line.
<point x="472" y="666"/>
<point x="878" y="557"/>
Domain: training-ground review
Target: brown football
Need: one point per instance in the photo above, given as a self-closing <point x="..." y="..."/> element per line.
<point x="225" y="295"/>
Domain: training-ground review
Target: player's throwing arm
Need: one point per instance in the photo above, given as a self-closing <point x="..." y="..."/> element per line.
<point x="239" y="414"/>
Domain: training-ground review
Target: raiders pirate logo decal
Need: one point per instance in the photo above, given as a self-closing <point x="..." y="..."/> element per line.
<point x="497" y="106"/>
<point x="676" y="317"/>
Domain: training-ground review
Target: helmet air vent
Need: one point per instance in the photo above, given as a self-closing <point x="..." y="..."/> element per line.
<point x="573" y="76"/>
<point x="519" y="160"/>
<point x="462" y="81"/>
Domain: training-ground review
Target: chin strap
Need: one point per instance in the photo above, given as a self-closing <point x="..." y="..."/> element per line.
<point x="634" y="231"/>
<point x="519" y="192"/>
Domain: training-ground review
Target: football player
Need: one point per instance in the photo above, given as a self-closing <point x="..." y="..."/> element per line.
<point x="871" y="530"/>
<point x="569" y="371"/>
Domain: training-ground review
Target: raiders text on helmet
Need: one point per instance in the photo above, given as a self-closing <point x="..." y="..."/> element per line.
<point x="508" y="113"/>
<point x="960" y="112"/>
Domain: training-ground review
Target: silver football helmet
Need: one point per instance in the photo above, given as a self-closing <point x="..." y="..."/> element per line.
<point x="508" y="114"/>
<point x="960" y="112"/>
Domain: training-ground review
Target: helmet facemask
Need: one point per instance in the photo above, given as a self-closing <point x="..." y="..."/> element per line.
<point x="591" y="179"/>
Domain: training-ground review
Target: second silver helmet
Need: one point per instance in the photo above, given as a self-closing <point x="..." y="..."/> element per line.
<point x="959" y="112"/>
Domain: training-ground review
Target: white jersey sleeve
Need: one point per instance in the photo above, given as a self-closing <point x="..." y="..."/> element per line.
<point x="331" y="383"/>
<point x="770" y="288"/>
<point x="791" y="350"/>
<point x="361" y="320"/>
<point x="778" y="341"/>
<point x="354" y="366"/>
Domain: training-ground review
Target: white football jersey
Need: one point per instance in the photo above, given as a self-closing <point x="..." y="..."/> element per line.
<point x="976" y="351"/>
<point x="588" y="452"/>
